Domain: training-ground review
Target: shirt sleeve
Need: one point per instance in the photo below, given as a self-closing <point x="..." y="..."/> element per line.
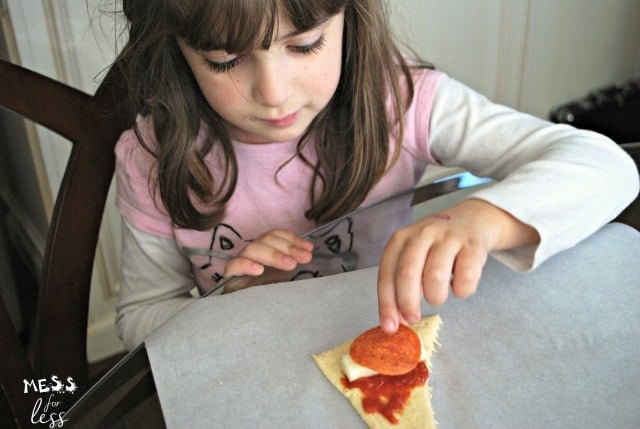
<point x="156" y="284"/>
<point x="564" y="182"/>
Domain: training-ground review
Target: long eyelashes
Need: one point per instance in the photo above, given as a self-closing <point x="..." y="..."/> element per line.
<point x="312" y="48"/>
<point x="217" y="67"/>
<point x="222" y="67"/>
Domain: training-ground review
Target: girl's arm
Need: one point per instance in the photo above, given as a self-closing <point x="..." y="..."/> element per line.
<point x="564" y="182"/>
<point x="155" y="284"/>
<point x="556" y="185"/>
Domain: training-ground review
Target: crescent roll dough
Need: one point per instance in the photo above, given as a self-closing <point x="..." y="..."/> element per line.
<point x="417" y="412"/>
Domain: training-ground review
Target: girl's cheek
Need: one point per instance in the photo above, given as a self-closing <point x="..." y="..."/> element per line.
<point x="223" y="94"/>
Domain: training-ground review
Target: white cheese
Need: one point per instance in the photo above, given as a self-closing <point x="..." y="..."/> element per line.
<point x="353" y="370"/>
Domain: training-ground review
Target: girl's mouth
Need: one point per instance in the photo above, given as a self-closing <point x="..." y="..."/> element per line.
<point x="282" y="122"/>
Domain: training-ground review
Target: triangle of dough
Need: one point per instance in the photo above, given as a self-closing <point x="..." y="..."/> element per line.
<point x="418" y="412"/>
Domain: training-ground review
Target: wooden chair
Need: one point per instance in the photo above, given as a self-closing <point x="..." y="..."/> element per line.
<point x="58" y="338"/>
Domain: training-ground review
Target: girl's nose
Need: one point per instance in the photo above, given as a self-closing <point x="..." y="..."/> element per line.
<point x="272" y="85"/>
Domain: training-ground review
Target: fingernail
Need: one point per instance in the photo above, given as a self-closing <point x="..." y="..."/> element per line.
<point x="388" y="326"/>
<point x="256" y="268"/>
<point x="303" y="254"/>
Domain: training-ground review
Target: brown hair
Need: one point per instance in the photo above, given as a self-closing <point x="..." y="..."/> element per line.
<point x="351" y="134"/>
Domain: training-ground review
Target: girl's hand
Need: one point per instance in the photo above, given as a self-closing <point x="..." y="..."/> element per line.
<point x="445" y="251"/>
<point x="268" y="258"/>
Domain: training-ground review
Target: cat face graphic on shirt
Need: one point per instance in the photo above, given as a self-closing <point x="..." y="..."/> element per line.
<point x="333" y="251"/>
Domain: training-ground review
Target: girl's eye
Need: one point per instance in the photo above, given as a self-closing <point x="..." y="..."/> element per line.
<point x="222" y="67"/>
<point x="311" y="48"/>
<point x="218" y="67"/>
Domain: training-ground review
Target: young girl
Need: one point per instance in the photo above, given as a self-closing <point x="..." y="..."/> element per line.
<point x="260" y="120"/>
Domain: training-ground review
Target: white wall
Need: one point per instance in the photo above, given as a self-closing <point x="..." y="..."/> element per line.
<point x="529" y="54"/>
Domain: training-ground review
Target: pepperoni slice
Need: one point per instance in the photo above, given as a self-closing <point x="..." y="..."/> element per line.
<point x="388" y="354"/>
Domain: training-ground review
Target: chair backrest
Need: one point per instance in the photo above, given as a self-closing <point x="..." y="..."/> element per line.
<point x="57" y="345"/>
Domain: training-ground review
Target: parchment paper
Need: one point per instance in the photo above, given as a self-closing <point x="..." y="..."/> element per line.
<point x="555" y="348"/>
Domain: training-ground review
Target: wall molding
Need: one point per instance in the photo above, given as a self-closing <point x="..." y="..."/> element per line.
<point x="514" y="33"/>
<point x="46" y="198"/>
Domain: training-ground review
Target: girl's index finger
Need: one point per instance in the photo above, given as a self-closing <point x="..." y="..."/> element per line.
<point x="387" y="304"/>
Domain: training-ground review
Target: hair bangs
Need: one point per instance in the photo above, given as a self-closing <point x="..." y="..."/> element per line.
<point x="307" y="14"/>
<point x="237" y="26"/>
<point x="231" y="25"/>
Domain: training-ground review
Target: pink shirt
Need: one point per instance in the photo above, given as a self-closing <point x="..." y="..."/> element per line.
<point x="260" y="203"/>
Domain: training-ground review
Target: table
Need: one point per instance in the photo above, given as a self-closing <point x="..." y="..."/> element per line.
<point x="557" y="347"/>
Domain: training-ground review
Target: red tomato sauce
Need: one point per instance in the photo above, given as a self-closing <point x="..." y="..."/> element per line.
<point x="388" y="394"/>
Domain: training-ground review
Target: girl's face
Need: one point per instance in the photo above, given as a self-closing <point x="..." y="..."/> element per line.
<point x="272" y="95"/>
